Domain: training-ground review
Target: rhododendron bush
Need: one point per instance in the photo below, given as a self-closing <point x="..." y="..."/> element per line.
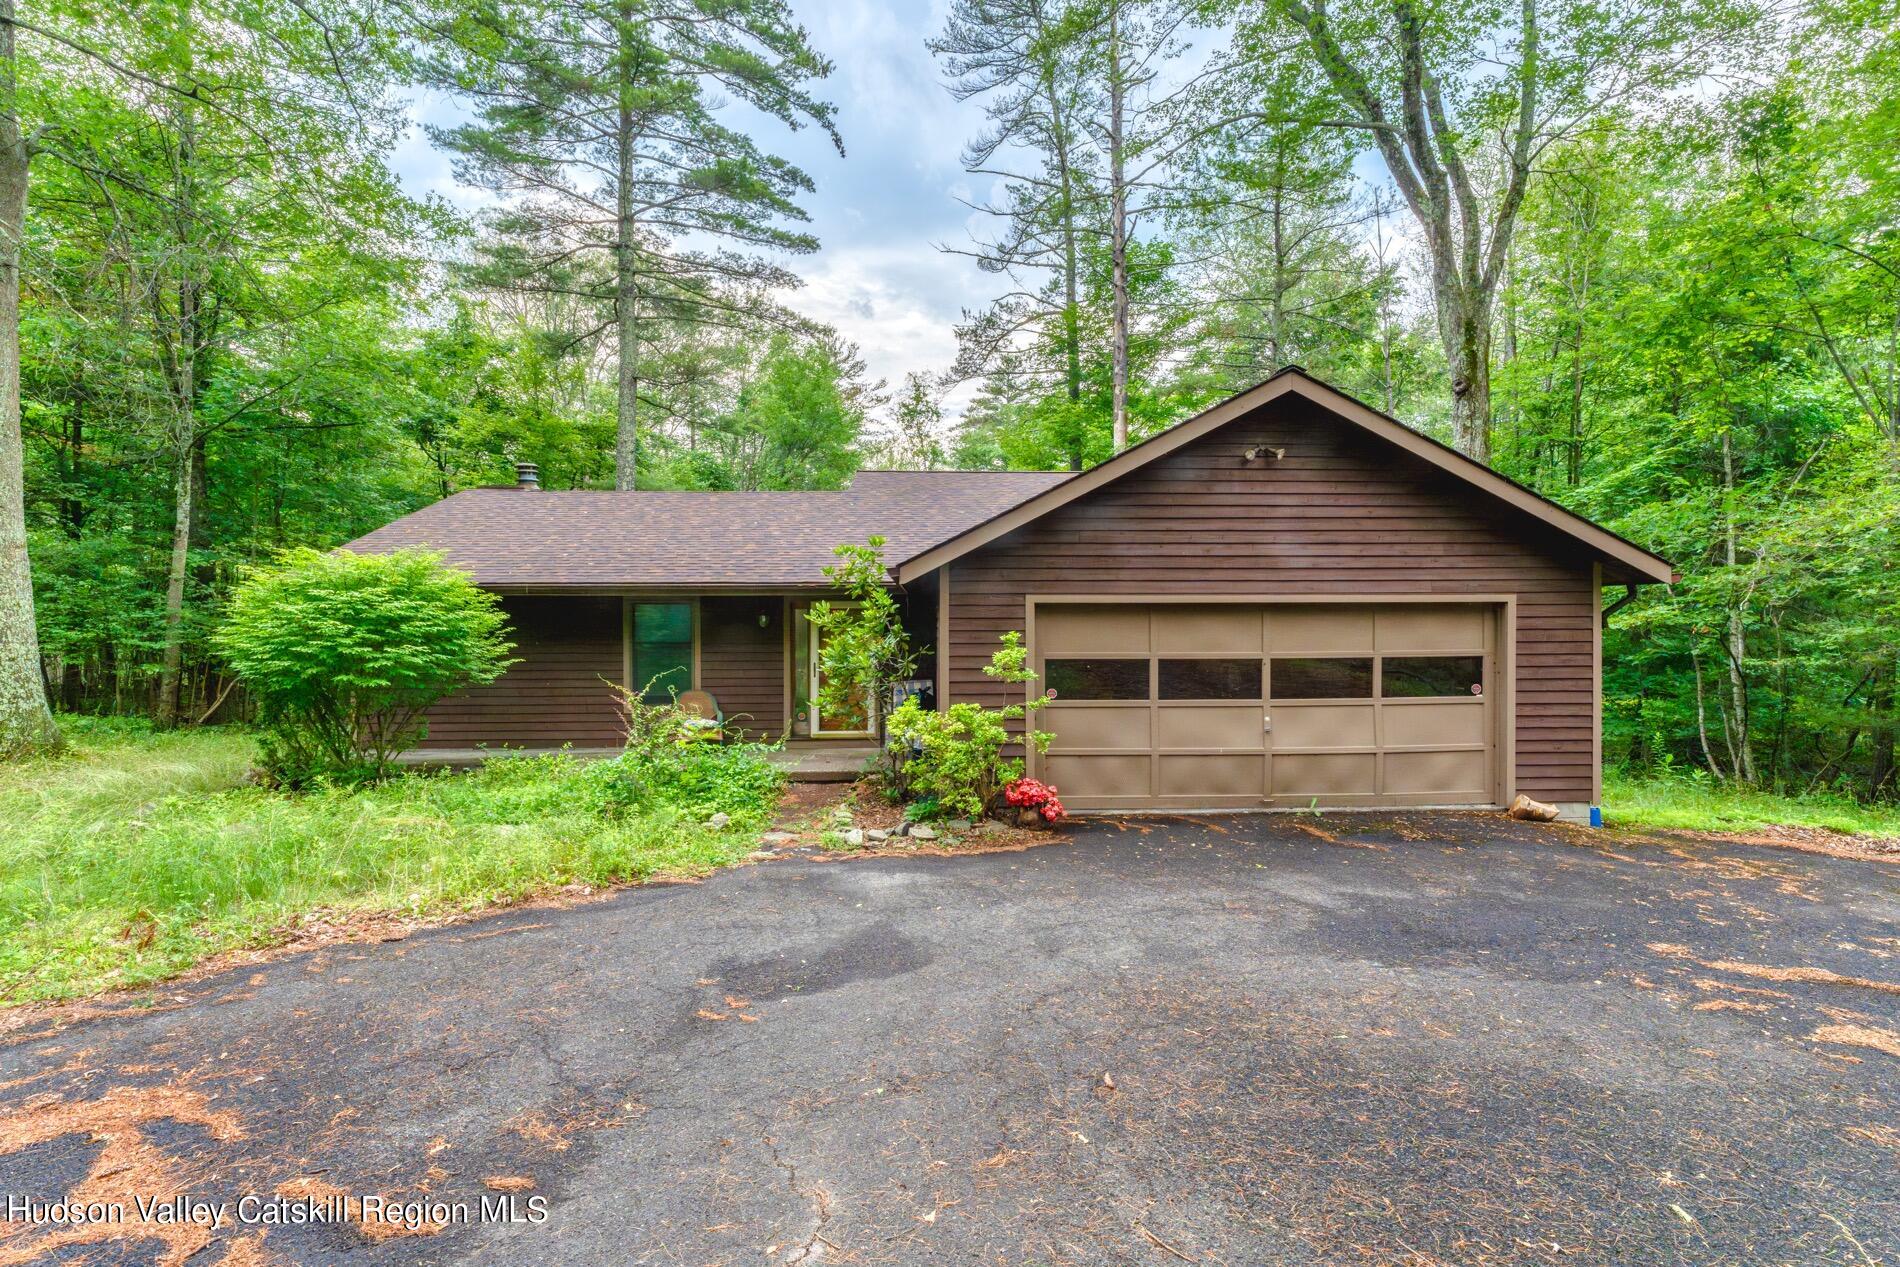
<point x="1037" y="795"/>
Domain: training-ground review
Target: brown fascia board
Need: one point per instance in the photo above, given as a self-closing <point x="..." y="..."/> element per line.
<point x="1630" y="557"/>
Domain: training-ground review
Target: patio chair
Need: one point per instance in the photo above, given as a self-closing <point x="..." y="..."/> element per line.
<point x="704" y="720"/>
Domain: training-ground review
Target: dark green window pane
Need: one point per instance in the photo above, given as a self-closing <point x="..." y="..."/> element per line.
<point x="1432" y="675"/>
<point x="1210" y="679"/>
<point x="662" y="622"/>
<point x="1344" y="678"/>
<point x="662" y="650"/>
<point x="1096" y="679"/>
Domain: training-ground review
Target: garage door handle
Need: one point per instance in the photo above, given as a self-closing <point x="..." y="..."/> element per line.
<point x="1266" y="725"/>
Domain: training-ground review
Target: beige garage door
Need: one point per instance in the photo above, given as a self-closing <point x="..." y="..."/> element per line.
<point x="1185" y="706"/>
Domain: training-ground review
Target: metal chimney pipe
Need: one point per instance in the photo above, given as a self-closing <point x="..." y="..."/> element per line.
<point x="527" y="475"/>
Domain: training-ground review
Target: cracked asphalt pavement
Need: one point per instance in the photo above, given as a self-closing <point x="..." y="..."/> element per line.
<point x="1413" y="1039"/>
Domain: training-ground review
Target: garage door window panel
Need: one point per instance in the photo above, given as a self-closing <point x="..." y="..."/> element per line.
<point x="1081" y="681"/>
<point x="1300" y="677"/>
<point x="1432" y="677"/>
<point x="1210" y="679"/>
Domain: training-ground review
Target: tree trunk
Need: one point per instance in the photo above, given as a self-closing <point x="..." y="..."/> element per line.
<point x="170" y="676"/>
<point x="1467" y="337"/>
<point x="1884" y="734"/>
<point x="626" y="280"/>
<point x="1118" y="230"/>
<point x="26" y="723"/>
<point x="187" y="341"/>
<point x="1276" y="311"/>
<point x="1736" y="720"/>
<point x="1071" y="304"/>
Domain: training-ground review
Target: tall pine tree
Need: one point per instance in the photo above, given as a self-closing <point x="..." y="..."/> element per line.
<point x="598" y="122"/>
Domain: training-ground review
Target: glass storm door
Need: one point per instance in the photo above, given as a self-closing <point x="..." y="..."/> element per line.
<point x="856" y="722"/>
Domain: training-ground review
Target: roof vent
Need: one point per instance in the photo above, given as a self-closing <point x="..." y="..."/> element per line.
<point x="527" y="475"/>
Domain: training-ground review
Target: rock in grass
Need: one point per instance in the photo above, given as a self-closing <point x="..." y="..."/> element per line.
<point x="777" y="838"/>
<point x="719" y="821"/>
<point x="854" y="838"/>
<point x="922" y="831"/>
<point x="957" y="824"/>
<point x="877" y="834"/>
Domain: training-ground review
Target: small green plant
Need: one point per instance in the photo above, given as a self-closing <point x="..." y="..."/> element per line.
<point x="952" y="759"/>
<point x="864" y="648"/>
<point x="345" y="652"/>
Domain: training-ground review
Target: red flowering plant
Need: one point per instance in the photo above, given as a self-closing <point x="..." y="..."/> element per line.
<point x="1037" y="795"/>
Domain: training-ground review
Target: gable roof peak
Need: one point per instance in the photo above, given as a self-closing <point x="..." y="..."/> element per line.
<point x="1630" y="559"/>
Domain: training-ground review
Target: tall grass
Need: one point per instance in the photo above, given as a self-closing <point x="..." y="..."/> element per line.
<point x="1701" y="804"/>
<point x="135" y="854"/>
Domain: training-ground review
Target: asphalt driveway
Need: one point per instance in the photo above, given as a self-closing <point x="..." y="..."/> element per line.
<point x="1414" y="1040"/>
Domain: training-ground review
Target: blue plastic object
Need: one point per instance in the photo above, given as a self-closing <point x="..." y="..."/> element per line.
<point x="1596" y="816"/>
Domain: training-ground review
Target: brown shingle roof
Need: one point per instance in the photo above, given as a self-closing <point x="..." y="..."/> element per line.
<point x="518" y="539"/>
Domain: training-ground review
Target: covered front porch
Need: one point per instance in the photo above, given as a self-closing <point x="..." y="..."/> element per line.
<point x="803" y="760"/>
<point x="755" y="655"/>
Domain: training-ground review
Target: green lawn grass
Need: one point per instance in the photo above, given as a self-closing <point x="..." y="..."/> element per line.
<point x="133" y="837"/>
<point x="1703" y="805"/>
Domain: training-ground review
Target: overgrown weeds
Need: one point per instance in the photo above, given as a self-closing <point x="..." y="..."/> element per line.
<point x="1701" y="804"/>
<point x="135" y="855"/>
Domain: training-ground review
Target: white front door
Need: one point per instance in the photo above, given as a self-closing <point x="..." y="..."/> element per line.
<point x="854" y="723"/>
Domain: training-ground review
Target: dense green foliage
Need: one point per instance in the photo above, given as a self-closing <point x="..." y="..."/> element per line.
<point x="952" y="760"/>
<point x="235" y="334"/>
<point x="139" y="853"/>
<point x="343" y="653"/>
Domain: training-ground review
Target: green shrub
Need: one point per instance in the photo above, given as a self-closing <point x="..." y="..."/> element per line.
<point x="865" y="649"/>
<point x="344" y="652"/>
<point x="952" y="759"/>
<point x="664" y="766"/>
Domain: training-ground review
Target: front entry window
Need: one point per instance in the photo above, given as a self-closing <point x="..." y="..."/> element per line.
<point x="662" y="650"/>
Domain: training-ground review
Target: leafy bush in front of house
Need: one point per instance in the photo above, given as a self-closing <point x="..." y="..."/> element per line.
<point x="953" y="757"/>
<point x="667" y="764"/>
<point x="865" y="650"/>
<point x="696" y="779"/>
<point x="344" y="652"/>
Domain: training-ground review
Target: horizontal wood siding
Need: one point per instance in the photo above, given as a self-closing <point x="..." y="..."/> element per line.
<point x="742" y="663"/>
<point x="555" y="695"/>
<point x="1341" y="513"/>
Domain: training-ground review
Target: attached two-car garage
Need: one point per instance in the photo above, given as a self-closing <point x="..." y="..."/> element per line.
<point x="1290" y="600"/>
<point x="1201" y="705"/>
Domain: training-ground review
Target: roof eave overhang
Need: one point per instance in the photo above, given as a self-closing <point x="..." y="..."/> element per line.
<point x="637" y="589"/>
<point x="1629" y="559"/>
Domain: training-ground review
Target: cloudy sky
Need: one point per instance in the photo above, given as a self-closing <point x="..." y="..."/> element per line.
<point x="881" y="211"/>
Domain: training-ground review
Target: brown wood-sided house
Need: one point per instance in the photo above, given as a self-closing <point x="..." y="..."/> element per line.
<point x="1287" y="600"/>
